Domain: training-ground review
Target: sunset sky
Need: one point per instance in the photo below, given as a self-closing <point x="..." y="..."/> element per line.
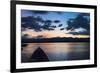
<point x="48" y="24"/>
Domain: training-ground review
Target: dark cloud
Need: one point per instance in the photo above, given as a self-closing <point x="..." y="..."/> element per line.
<point x="47" y="25"/>
<point x="79" y="21"/>
<point x="53" y="26"/>
<point x="80" y="33"/>
<point x="31" y="22"/>
<point x="35" y="23"/>
<point x="40" y="12"/>
<point x="85" y="14"/>
<point x="59" y="12"/>
<point x="60" y="25"/>
<point x="62" y="29"/>
<point x="56" y="21"/>
<point x="44" y="12"/>
<point x="48" y="22"/>
<point x="39" y="19"/>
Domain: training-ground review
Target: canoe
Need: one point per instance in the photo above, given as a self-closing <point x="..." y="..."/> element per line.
<point x="39" y="56"/>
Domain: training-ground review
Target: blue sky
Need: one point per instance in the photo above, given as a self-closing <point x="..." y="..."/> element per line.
<point x="63" y="16"/>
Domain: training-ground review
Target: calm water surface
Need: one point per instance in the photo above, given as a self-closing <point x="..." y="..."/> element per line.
<point x="58" y="51"/>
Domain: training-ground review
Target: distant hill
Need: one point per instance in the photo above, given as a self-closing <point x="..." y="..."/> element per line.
<point x="56" y="39"/>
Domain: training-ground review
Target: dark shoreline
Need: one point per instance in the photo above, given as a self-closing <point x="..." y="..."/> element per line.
<point x="55" y="40"/>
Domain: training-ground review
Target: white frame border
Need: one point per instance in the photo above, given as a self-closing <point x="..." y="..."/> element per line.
<point x="20" y="65"/>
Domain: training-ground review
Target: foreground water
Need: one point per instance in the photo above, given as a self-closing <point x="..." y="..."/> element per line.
<point x="57" y="51"/>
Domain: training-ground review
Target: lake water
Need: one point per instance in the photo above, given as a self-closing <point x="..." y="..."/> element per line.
<point x="58" y="51"/>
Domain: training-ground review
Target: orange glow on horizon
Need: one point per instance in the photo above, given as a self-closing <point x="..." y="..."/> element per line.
<point x="51" y="34"/>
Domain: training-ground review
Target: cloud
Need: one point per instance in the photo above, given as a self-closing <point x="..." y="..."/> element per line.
<point x="34" y="23"/>
<point x="79" y="21"/>
<point x="31" y="22"/>
<point x="47" y="25"/>
<point x="62" y="29"/>
<point x="39" y="12"/>
<point x="44" y="12"/>
<point x="80" y="31"/>
<point x="56" y="21"/>
<point x="53" y="26"/>
<point x="60" y="25"/>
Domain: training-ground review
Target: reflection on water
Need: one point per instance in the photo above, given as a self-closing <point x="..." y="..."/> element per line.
<point x="57" y="51"/>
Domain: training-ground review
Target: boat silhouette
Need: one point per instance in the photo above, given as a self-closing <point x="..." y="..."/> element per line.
<point x="39" y="56"/>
